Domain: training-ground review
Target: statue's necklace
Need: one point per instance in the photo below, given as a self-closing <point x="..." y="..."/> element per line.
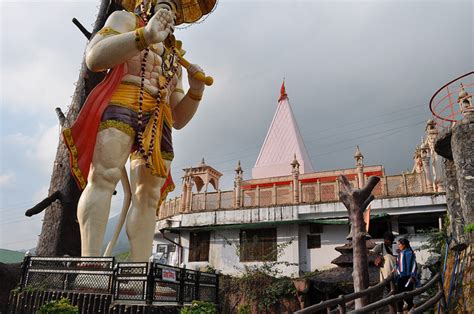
<point x="169" y="67"/>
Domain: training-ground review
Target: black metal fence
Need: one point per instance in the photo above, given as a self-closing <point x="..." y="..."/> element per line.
<point x="150" y="283"/>
<point x="88" y="275"/>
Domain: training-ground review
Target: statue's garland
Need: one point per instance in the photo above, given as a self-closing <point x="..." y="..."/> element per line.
<point x="169" y="67"/>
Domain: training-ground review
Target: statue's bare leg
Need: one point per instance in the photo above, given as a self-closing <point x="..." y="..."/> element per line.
<point x="141" y="219"/>
<point x="110" y="155"/>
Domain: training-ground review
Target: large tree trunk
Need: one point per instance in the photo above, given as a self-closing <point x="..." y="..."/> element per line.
<point x="356" y="201"/>
<point x="60" y="232"/>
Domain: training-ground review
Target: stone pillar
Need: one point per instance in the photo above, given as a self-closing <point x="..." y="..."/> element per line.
<point x="462" y="145"/>
<point x="237" y="185"/>
<point x="295" y="171"/>
<point x="457" y="146"/>
<point x="425" y="159"/>
<point x="359" y="159"/>
<point x="456" y="221"/>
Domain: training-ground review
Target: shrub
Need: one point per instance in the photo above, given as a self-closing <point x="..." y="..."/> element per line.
<point x="199" y="307"/>
<point x="61" y="306"/>
<point x="469" y="228"/>
<point x="263" y="289"/>
<point x="244" y="309"/>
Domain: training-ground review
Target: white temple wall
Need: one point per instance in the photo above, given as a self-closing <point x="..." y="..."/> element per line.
<point x="320" y="258"/>
<point x="225" y="257"/>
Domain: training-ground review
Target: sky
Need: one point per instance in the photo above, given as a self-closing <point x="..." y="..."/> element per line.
<point x="356" y="73"/>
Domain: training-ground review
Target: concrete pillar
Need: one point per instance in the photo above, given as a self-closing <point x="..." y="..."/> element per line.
<point x="359" y="159"/>
<point x="189" y="196"/>
<point x="237" y="185"/>
<point x="182" y="203"/>
<point x="295" y="171"/>
<point x="385" y="185"/>
<point x="274" y="194"/>
<point x="184" y="194"/>
<point x="257" y="196"/>
<point x="318" y="191"/>
<point x="405" y="184"/>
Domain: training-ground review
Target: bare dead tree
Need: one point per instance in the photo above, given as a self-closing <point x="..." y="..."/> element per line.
<point x="60" y="231"/>
<point x="356" y="201"/>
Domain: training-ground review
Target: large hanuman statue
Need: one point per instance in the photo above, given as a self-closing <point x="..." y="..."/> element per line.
<point x="131" y="114"/>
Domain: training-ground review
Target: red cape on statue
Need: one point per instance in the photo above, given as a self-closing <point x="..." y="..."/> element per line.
<point x="80" y="138"/>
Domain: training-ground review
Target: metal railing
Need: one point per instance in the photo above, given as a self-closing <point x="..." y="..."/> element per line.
<point x="150" y="283"/>
<point x="342" y="301"/>
<point x="90" y="275"/>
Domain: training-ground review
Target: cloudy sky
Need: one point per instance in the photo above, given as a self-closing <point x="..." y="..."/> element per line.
<point x="357" y="72"/>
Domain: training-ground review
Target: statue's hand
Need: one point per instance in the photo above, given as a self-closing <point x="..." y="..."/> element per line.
<point x="195" y="84"/>
<point x="159" y="27"/>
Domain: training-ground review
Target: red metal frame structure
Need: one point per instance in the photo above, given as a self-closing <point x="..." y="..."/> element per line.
<point x="445" y="107"/>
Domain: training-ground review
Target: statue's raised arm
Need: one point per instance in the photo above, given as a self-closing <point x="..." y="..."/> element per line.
<point x="123" y="38"/>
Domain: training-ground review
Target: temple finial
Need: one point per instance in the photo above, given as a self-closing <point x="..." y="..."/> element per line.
<point x="358" y="153"/>
<point x="283" y="94"/>
<point x="295" y="162"/>
<point x="238" y="168"/>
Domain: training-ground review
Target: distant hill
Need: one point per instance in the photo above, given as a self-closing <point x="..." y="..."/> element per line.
<point x="122" y="242"/>
<point x="9" y="256"/>
<point x="120" y="247"/>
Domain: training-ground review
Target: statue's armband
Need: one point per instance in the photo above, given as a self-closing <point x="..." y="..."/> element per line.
<point x="108" y="31"/>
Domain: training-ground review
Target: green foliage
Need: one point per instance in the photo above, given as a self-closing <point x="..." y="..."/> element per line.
<point x="469" y="228"/>
<point x="244" y="309"/>
<point x="210" y="269"/>
<point x="16" y="289"/>
<point x="309" y="275"/>
<point x="61" y="306"/>
<point x="269" y="264"/>
<point x="122" y="257"/>
<point x="437" y="239"/>
<point x="40" y="287"/>
<point x="262" y="289"/>
<point x="199" y="307"/>
<point x="261" y="282"/>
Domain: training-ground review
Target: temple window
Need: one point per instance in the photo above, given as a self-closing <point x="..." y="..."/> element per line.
<point x="314" y="238"/>
<point x="199" y="246"/>
<point x="258" y="245"/>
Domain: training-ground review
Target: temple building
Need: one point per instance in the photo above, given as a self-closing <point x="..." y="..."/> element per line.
<point x="289" y="213"/>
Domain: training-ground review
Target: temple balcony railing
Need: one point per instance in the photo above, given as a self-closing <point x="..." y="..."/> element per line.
<point x="281" y="192"/>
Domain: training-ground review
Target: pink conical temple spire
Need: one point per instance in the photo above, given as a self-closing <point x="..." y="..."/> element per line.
<point x="282" y="143"/>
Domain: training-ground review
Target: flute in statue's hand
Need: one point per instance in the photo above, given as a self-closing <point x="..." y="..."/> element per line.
<point x="200" y="76"/>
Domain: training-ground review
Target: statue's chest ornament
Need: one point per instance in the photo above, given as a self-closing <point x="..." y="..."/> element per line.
<point x="169" y="67"/>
